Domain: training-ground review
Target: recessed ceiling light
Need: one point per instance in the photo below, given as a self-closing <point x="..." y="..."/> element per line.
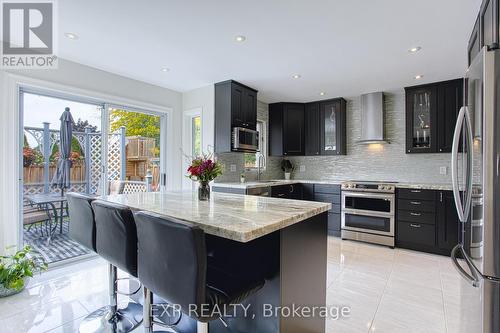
<point x="418" y="77"/>
<point x="240" y="38"/>
<point x="165" y="69"/>
<point x="322" y="93"/>
<point x="415" y="49"/>
<point x="71" y="35"/>
<point x="296" y="76"/>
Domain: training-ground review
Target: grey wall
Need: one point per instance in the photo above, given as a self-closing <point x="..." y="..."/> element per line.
<point x="363" y="162"/>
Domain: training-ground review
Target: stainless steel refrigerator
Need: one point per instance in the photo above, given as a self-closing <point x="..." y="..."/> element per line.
<point x="476" y="184"/>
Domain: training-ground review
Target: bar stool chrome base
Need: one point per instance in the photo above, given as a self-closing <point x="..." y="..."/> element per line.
<point x="104" y="320"/>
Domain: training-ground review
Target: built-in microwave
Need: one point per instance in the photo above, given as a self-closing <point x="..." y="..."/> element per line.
<point x="244" y="140"/>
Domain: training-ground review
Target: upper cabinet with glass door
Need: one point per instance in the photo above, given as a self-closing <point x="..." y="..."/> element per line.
<point x="421" y="105"/>
<point x="333" y="127"/>
<point x="431" y="113"/>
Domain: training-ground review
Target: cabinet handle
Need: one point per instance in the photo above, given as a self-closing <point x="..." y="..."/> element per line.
<point x="415" y="214"/>
<point x="415" y="191"/>
<point x="441" y="196"/>
<point x="291" y="188"/>
<point x="415" y="202"/>
<point x="281" y="194"/>
<point x="415" y="225"/>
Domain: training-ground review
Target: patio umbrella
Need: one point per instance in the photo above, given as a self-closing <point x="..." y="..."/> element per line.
<point x="62" y="176"/>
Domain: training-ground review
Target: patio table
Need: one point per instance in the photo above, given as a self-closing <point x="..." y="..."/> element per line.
<point x="50" y="199"/>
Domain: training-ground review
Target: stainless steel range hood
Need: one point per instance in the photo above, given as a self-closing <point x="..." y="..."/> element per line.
<point x="372" y="118"/>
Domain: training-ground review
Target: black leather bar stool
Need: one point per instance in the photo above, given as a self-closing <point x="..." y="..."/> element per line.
<point x="82" y="223"/>
<point x="116" y="242"/>
<point x="172" y="259"/>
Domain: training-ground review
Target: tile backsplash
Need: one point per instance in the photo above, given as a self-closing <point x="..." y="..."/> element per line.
<point x="387" y="162"/>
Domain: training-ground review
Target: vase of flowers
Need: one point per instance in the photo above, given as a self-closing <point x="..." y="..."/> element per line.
<point x="204" y="169"/>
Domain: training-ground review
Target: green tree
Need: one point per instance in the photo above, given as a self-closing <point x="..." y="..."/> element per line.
<point x="136" y="124"/>
<point x="80" y="126"/>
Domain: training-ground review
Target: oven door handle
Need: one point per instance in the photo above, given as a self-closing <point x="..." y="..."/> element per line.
<point x="366" y="212"/>
<point x="368" y="196"/>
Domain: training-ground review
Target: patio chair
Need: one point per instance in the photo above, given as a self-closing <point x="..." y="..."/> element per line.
<point x="125" y="187"/>
<point x="134" y="187"/>
<point x="33" y="215"/>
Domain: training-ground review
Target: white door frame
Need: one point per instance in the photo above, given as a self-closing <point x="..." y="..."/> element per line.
<point x="187" y="140"/>
<point x="12" y="233"/>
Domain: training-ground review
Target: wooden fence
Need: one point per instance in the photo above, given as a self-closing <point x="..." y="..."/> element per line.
<point x="34" y="173"/>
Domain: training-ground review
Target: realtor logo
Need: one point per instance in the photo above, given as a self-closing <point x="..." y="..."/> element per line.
<point x="28" y="35"/>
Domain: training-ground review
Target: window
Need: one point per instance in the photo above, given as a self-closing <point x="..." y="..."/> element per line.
<point x="196" y="136"/>
<point x="251" y="160"/>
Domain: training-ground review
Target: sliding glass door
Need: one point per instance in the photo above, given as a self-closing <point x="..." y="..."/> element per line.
<point x="115" y="149"/>
<point x="44" y="221"/>
<point x="135" y="150"/>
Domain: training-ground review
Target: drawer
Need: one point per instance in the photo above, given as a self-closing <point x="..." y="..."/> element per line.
<point x="281" y="191"/>
<point x="324" y="188"/>
<point x="332" y="198"/>
<point x="416" y="233"/>
<point x="333" y="222"/>
<point x="417" y="205"/>
<point x="416" y="216"/>
<point x="414" y="194"/>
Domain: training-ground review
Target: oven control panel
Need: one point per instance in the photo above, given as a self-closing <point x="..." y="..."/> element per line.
<point x="369" y="187"/>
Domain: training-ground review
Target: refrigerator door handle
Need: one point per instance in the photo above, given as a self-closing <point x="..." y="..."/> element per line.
<point x="472" y="278"/>
<point x="454" y="163"/>
<point x="470" y="152"/>
<point x="463" y="208"/>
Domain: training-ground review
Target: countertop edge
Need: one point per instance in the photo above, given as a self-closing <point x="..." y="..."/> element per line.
<point x="410" y="185"/>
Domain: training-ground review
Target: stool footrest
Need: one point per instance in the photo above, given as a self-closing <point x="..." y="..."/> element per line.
<point x="123" y="321"/>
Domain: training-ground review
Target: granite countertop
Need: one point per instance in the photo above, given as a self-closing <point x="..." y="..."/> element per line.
<point x="247" y="185"/>
<point x="232" y="216"/>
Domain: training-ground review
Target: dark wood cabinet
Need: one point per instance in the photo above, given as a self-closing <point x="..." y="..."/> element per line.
<point x="286" y="129"/>
<point x="431" y="113"/>
<point x="316" y="128"/>
<point x="427" y="221"/>
<point x="312" y="119"/>
<point x="308" y="192"/>
<point x="250" y="109"/>
<point x="486" y="30"/>
<point x="333" y="127"/>
<point x="235" y="106"/>
<point x="315" y="192"/>
<point x="331" y="194"/>
<point x="421" y="119"/>
<point x="292" y="191"/>
<point x="449" y="102"/>
<point x="448" y="223"/>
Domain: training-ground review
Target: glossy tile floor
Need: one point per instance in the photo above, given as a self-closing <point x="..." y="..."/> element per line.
<point x="398" y="291"/>
<point x="386" y="290"/>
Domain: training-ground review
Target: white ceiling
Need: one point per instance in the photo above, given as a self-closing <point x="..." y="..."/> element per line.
<point x="344" y="48"/>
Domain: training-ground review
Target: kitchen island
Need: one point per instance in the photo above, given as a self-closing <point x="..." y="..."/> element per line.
<point x="283" y="241"/>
